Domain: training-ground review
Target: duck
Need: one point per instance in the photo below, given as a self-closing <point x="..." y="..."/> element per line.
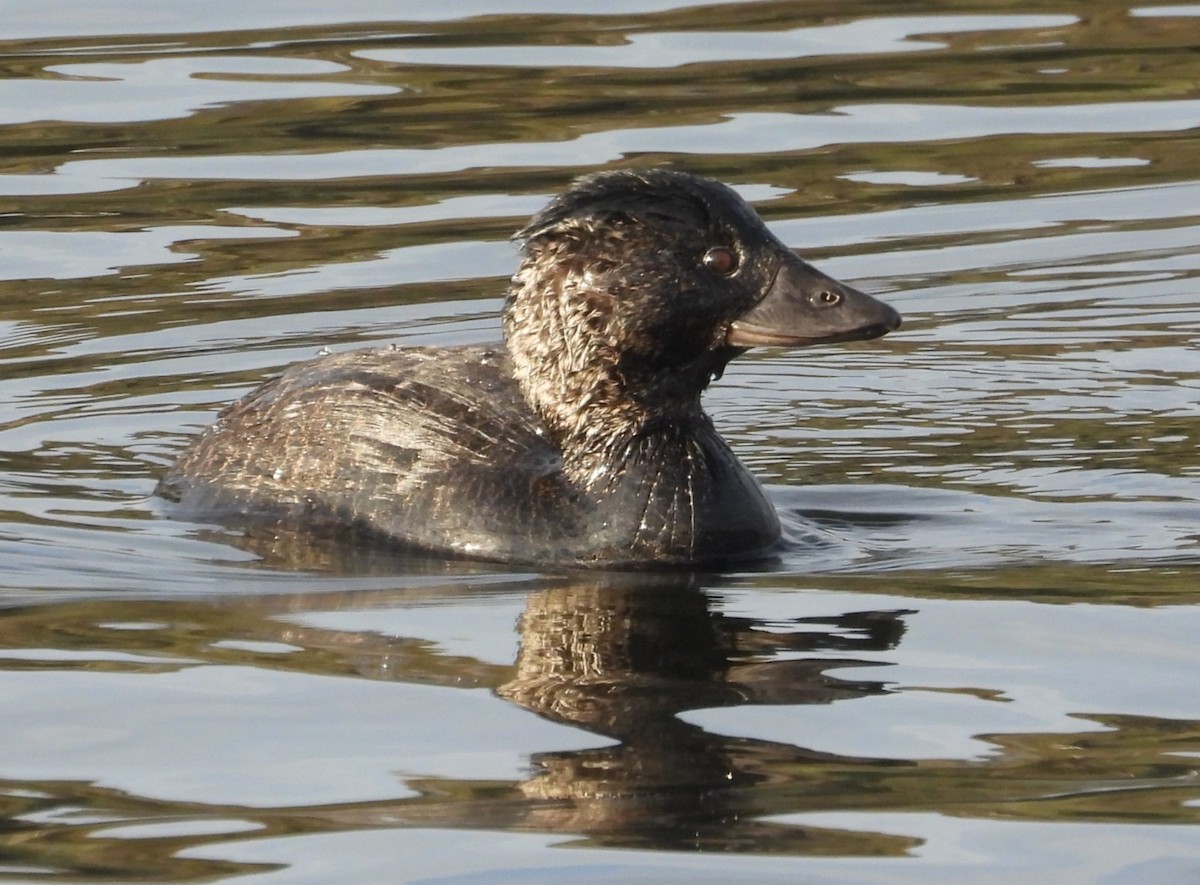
<point x="580" y="440"/>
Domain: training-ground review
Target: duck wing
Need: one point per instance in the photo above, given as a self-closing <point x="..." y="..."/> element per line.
<point x="430" y="447"/>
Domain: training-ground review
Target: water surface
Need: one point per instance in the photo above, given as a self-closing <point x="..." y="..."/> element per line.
<point x="975" y="660"/>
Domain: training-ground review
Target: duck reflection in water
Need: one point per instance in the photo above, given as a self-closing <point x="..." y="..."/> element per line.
<point x="619" y="655"/>
<point x="623" y="657"/>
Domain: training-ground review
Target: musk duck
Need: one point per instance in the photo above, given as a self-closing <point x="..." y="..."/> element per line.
<point x="579" y="441"/>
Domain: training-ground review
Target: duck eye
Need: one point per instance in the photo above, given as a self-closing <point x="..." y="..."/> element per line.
<point x="829" y="299"/>
<point x="721" y="259"/>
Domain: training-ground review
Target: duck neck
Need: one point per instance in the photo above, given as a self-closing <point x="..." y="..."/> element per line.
<point x="596" y="403"/>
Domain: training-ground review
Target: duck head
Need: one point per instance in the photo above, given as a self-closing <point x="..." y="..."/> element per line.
<point x="637" y="287"/>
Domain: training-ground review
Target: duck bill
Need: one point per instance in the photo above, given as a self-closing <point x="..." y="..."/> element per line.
<point x="803" y="307"/>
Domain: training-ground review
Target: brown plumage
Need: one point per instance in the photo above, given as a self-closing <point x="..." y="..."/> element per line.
<point x="582" y="440"/>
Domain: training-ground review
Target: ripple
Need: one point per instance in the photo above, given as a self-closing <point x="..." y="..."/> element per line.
<point x="165" y="88"/>
<point x="666" y="49"/>
<point x="33" y="19"/>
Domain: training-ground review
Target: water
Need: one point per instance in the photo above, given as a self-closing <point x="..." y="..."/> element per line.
<point x="993" y="513"/>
